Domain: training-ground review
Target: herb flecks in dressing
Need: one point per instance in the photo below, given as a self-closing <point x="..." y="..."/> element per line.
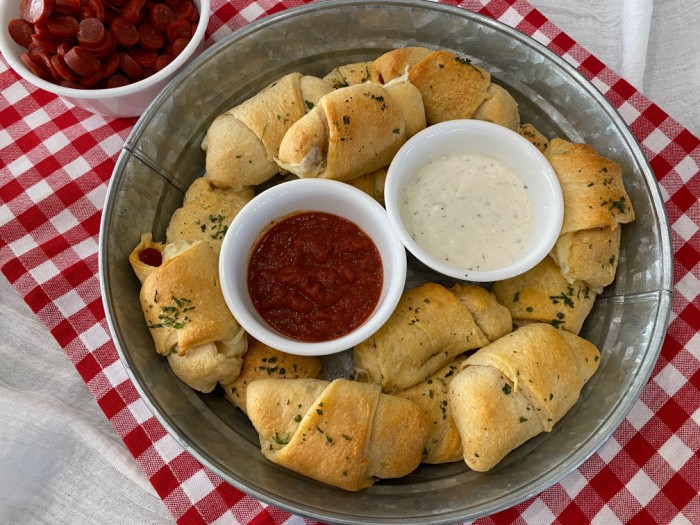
<point x="469" y="210"/>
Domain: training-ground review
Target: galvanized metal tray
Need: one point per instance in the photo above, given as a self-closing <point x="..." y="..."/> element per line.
<point x="162" y="156"/>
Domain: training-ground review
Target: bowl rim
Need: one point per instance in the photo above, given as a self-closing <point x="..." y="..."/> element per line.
<point x="398" y="173"/>
<point x="256" y="214"/>
<point x="7" y="50"/>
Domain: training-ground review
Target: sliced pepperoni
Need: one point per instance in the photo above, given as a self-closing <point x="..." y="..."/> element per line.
<point x="185" y="11"/>
<point x="67" y="7"/>
<point x="146" y="58"/>
<point x="163" y="61"/>
<point x="110" y="65"/>
<point x="91" y="32"/>
<point x="131" y="10"/>
<point x="150" y="37"/>
<point x="62" y="69"/>
<point x="179" y="45"/>
<point x="105" y="48"/>
<point x="34" y="67"/>
<point x="62" y="49"/>
<point x="178" y="29"/>
<point x="90" y="80"/>
<point x="80" y="60"/>
<point x="20" y="31"/>
<point x="124" y="32"/>
<point x="96" y="9"/>
<point x="161" y="16"/>
<point x="65" y="26"/>
<point x="48" y="42"/>
<point x="34" y="11"/>
<point x="129" y="67"/>
<point x="117" y="81"/>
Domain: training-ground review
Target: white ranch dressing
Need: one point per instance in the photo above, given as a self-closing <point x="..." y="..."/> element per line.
<point x="469" y="210"/>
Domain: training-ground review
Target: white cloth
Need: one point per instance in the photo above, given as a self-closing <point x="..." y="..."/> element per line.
<point x="60" y="459"/>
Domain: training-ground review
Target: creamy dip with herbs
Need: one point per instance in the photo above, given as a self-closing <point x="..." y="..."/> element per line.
<point x="469" y="210"/>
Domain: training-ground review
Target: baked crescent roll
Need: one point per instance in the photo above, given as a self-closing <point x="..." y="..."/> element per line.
<point x="517" y="387"/>
<point x="352" y="131"/>
<point x="595" y="204"/>
<point x="396" y="63"/>
<point x="348" y="75"/>
<point x="182" y="300"/>
<point x="428" y="329"/>
<point x="532" y="134"/>
<point x="342" y="433"/>
<point x="241" y="144"/>
<point x="372" y="184"/>
<point x="500" y="108"/>
<point x="260" y="362"/>
<point x="143" y="262"/>
<point x="443" y="444"/>
<point x="206" y="213"/>
<point x="542" y="295"/>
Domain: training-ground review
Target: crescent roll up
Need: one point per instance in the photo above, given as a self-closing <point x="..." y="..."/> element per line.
<point x="430" y="326"/>
<point x="543" y="295"/>
<point x="595" y="205"/>
<point x="443" y="444"/>
<point x="188" y="318"/>
<point x="342" y="433"/>
<point x="142" y="264"/>
<point x="206" y="213"/>
<point x="352" y="131"/>
<point x="517" y="387"/>
<point x="260" y="362"/>
<point x="241" y="144"/>
<point x="348" y="75"/>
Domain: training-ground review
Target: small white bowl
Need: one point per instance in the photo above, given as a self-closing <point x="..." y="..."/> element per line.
<point x="126" y="101"/>
<point x="496" y="142"/>
<point x="320" y="195"/>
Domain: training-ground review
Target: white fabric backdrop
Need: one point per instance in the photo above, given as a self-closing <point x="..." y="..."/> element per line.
<point x="61" y="461"/>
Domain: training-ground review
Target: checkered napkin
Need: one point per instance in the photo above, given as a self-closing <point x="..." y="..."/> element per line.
<point x="55" y="163"/>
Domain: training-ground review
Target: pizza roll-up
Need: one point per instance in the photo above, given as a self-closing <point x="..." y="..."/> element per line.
<point x="595" y="205"/>
<point x="517" y="387"/>
<point x="261" y="361"/>
<point x="206" y="213"/>
<point x="542" y="295"/>
<point x="241" y="144"/>
<point x="451" y="86"/>
<point x="430" y="326"/>
<point x="146" y="257"/>
<point x="188" y="317"/>
<point x="352" y="131"/>
<point x="342" y="433"/>
<point x="443" y="444"/>
<point x="348" y="75"/>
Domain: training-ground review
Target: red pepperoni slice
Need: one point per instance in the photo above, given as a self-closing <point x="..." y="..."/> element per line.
<point x="131" y="69"/>
<point x="119" y="81"/>
<point x="110" y="65"/>
<point x="90" y="80"/>
<point x="67" y="7"/>
<point x="185" y="11"/>
<point x="146" y="58"/>
<point x="105" y="48"/>
<point x="96" y="9"/>
<point x="150" y="37"/>
<point x="178" y="29"/>
<point x="33" y="67"/>
<point x="34" y="11"/>
<point x="131" y="10"/>
<point x="20" y="31"/>
<point x="151" y="257"/>
<point x="124" y="32"/>
<point x="163" y="61"/>
<point x="62" y="25"/>
<point x="179" y="45"/>
<point x="62" y="69"/>
<point x="48" y="42"/>
<point x="62" y="49"/>
<point x="91" y="32"/>
<point x="82" y="61"/>
<point x="161" y="16"/>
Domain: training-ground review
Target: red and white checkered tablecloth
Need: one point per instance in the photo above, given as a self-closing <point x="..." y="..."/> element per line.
<point x="55" y="164"/>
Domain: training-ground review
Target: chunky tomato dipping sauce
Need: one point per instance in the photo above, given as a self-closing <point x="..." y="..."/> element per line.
<point x="315" y="276"/>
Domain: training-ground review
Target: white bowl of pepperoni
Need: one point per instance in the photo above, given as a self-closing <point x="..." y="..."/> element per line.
<point x="110" y="57"/>
<point x="312" y="267"/>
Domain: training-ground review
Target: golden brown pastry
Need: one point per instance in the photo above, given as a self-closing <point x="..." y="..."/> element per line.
<point x="542" y="295"/>
<point x="342" y="433"/>
<point x="348" y="75"/>
<point x="517" y="387"/>
<point x="351" y="132"/>
<point x="396" y="63"/>
<point x="241" y="144"/>
<point x="443" y="444"/>
<point x="595" y="205"/>
<point x="261" y="362"/>
<point x="532" y="134"/>
<point x="372" y="184"/>
<point x="142" y="268"/>
<point x="428" y="329"/>
<point x="206" y="213"/>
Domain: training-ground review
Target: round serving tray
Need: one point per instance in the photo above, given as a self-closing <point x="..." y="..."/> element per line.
<point x="162" y="156"/>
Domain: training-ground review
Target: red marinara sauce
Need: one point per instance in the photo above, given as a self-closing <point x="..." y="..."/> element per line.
<point x="315" y="276"/>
